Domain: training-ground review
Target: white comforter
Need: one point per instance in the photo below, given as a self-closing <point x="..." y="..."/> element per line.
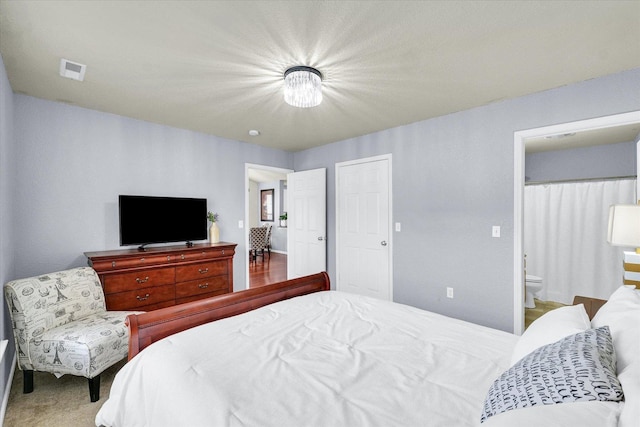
<point x="325" y="359"/>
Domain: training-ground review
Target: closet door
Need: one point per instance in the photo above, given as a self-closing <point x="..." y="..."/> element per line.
<point x="363" y="216"/>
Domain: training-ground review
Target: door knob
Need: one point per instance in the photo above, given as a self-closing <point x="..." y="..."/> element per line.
<point x="320" y="238"/>
<point x="383" y="243"/>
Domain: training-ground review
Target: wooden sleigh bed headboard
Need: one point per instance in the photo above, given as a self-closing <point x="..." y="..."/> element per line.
<point x="147" y="328"/>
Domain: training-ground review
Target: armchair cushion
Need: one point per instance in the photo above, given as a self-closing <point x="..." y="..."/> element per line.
<point x="85" y="347"/>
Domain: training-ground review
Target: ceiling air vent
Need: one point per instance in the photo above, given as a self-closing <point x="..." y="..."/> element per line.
<point x="72" y="70"/>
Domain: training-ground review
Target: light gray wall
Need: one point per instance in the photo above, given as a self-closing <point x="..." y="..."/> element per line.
<point x="452" y="181"/>
<point x="72" y="163"/>
<point x="603" y="161"/>
<point x="7" y="239"/>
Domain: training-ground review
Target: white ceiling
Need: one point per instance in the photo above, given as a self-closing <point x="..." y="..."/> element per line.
<point x="217" y="66"/>
<point x="266" y="175"/>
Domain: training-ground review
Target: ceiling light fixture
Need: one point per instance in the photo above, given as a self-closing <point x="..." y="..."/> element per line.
<point x="303" y="87"/>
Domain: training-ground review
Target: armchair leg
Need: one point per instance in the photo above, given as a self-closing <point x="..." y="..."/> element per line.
<point x="27" y="379"/>
<point x="94" y="388"/>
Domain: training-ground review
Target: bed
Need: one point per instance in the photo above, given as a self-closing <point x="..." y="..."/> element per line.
<point x="297" y="354"/>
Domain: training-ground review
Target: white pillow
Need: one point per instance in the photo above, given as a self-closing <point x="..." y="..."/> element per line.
<point x="622" y="314"/>
<point x="551" y="327"/>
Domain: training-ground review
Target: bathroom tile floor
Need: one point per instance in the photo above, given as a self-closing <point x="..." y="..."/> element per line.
<point x="542" y="307"/>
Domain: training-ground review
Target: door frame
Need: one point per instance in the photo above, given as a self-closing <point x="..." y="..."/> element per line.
<point x="245" y="224"/>
<point x="519" y="139"/>
<point x="389" y="158"/>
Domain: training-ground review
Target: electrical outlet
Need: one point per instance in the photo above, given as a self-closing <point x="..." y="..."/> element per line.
<point x="449" y="292"/>
<point x="495" y="231"/>
<point x="240" y="224"/>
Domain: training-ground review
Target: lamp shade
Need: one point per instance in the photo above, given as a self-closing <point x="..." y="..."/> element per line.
<point x="624" y="225"/>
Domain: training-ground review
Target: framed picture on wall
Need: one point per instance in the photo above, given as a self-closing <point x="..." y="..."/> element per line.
<point x="266" y="205"/>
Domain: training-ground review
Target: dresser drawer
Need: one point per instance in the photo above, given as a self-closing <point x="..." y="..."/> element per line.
<point x="139" y="298"/>
<point x="138" y="279"/>
<point x="131" y="262"/>
<point x="200" y="296"/>
<point x="200" y="270"/>
<point x="202" y="286"/>
<point x="201" y="255"/>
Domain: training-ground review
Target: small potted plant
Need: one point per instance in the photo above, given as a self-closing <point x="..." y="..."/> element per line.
<point x="214" y="231"/>
<point x="283" y="220"/>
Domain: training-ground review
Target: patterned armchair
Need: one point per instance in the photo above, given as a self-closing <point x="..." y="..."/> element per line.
<point x="61" y="325"/>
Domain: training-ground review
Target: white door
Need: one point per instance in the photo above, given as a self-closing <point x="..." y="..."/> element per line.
<point x="306" y="223"/>
<point x="363" y="215"/>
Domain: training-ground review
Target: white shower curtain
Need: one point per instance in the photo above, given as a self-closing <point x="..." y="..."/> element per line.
<point x="565" y="237"/>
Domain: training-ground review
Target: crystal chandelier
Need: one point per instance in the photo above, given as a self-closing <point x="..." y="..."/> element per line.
<point x="303" y="87"/>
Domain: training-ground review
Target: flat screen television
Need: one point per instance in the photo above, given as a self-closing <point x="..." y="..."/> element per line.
<point x="146" y="219"/>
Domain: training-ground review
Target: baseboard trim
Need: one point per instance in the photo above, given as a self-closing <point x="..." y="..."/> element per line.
<point x="7" y="390"/>
<point x="279" y="252"/>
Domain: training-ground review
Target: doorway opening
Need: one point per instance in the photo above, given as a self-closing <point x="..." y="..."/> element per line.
<point x="613" y="122"/>
<point x="265" y="269"/>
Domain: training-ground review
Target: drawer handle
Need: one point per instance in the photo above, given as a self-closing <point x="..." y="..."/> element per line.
<point x="203" y="285"/>
<point x="139" y="298"/>
<point x="202" y="271"/>
<point x="146" y="279"/>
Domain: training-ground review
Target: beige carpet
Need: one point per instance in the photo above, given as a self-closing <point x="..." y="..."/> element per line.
<point x="56" y="402"/>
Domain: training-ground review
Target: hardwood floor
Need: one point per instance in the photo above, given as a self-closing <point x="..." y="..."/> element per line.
<point x="270" y="270"/>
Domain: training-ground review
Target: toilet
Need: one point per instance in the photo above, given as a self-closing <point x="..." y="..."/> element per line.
<point x="533" y="285"/>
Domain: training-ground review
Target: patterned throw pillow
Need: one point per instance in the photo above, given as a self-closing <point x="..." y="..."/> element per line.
<point x="580" y="367"/>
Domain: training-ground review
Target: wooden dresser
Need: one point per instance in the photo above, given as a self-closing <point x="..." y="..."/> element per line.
<point x="163" y="276"/>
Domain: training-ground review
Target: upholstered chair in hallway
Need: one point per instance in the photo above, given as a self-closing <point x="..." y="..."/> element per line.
<point x="61" y="325"/>
<point x="258" y="242"/>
